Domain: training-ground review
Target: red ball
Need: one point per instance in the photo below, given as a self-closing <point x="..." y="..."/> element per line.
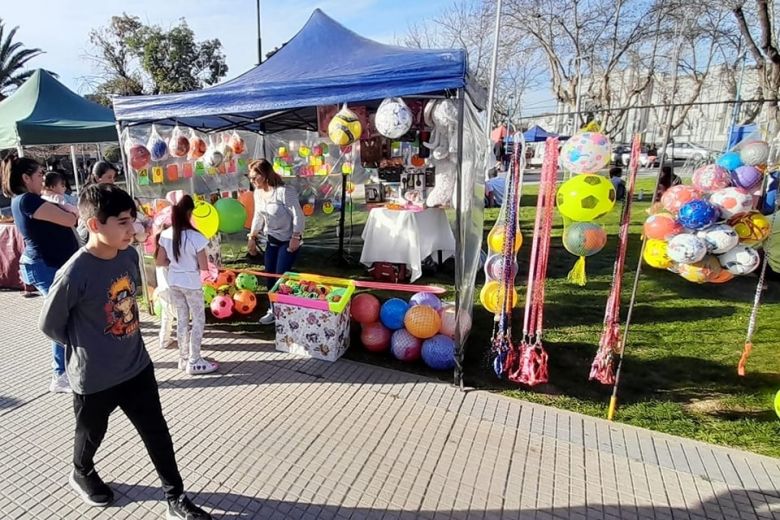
<point x="365" y="308"/>
<point x="375" y="337"/>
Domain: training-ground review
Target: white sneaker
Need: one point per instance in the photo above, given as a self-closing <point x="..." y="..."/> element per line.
<point x="202" y="366"/>
<point x="60" y="384"/>
<point x="268" y="318"/>
<point x="183" y="363"/>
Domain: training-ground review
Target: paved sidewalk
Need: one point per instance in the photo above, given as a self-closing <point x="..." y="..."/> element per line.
<point x="275" y="436"/>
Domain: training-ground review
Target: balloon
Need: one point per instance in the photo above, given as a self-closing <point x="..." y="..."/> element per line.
<point x="586" y="197"/>
<point x="365" y="308"/>
<point x="404" y="346"/>
<point x="375" y="337"/>
<point x="244" y="301"/>
<point x="221" y="306"/>
<point x="661" y="226"/>
<point x="655" y="254"/>
<point x="584" y="238"/>
<point x="439" y="352"/>
<point x="392" y="313"/>
<point x="231" y="215"/>
<point x="491" y="297"/>
<point x="586" y="152"/>
<point x="247" y="200"/>
<point x="495" y="240"/>
<point x="205" y="218"/>
<point x="730" y="161"/>
<point x="422" y="321"/>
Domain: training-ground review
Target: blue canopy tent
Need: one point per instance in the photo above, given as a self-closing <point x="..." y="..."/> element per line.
<point x="537" y="134"/>
<point x="325" y="64"/>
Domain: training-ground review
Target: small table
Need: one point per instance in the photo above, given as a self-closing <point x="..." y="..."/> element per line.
<point x="407" y="237"/>
<point x="11" y="249"/>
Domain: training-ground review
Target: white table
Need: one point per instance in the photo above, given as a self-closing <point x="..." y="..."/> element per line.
<point x="406" y="237"/>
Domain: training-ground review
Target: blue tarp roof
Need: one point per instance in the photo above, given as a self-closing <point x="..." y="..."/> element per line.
<point x="325" y="63"/>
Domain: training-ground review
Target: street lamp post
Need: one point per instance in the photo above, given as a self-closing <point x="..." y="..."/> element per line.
<point x="259" y="38"/>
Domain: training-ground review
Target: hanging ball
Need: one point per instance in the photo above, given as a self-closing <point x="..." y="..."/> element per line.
<point x="661" y="226"/>
<point x="711" y="178"/>
<point x="158" y="149"/>
<point x="697" y="214"/>
<point x="719" y="238"/>
<point x="686" y="248"/>
<point x="375" y="337"/>
<point x="237" y="144"/>
<point x="732" y="201"/>
<point x="730" y="160"/>
<point x="405" y="347"/>
<point x="740" y="260"/>
<point x="752" y="228"/>
<point x="656" y="254"/>
<point x="702" y="271"/>
<point x="492" y="297"/>
<point x="422" y="321"/>
<point x="494" y="268"/>
<point x="586" y="197"/>
<point x="425" y="298"/>
<point x="754" y="153"/>
<point x="439" y="352"/>
<point x="584" y="238"/>
<point x="586" y="152"/>
<point x="495" y="240"/>
<point x="179" y="146"/>
<point x="244" y="301"/>
<point x="393" y="118"/>
<point x="221" y="306"/>
<point x="392" y="313"/>
<point x="677" y="196"/>
<point x="345" y="127"/>
<point x="139" y="157"/>
<point x="198" y="147"/>
<point x="209" y="293"/>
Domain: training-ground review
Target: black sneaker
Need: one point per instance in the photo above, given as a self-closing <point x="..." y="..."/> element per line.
<point x="182" y="508"/>
<point x="91" y="489"/>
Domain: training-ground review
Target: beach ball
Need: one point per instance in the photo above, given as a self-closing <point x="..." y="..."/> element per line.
<point x="246" y="281"/>
<point x="179" y="146"/>
<point x="221" y="306"/>
<point x="198" y="147"/>
<point x="345" y="127"/>
<point x="439" y="352"/>
<point x="740" y="260"/>
<point x="661" y="226"/>
<point x="584" y="238"/>
<point x="365" y="308"/>
<point x="231" y="215"/>
<point x="425" y="298"/>
<point x="730" y="161"/>
<point x="752" y="228"/>
<point x="422" y="321"/>
<point x="205" y="219"/>
<point x="393" y="118"/>
<point x="392" y="313"/>
<point x="686" y="248"/>
<point x="754" y="153"/>
<point x="697" y="214"/>
<point x="494" y="268"/>
<point x="675" y="197"/>
<point x="448" y="315"/>
<point x="139" y="157"/>
<point x="656" y="255"/>
<point x="227" y="277"/>
<point x="404" y="346"/>
<point x="209" y="293"/>
<point x="586" y="152"/>
<point x="711" y="178"/>
<point x="375" y="337"/>
<point x="158" y="149"/>
<point x="719" y="238"/>
<point x="702" y="271"/>
<point x="244" y="301"/>
<point x="732" y="201"/>
<point x="748" y="178"/>
<point x="586" y="197"/>
<point x="495" y="240"/>
<point x="492" y="297"/>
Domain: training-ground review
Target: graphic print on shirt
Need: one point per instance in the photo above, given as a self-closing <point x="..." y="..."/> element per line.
<point x="121" y="309"/>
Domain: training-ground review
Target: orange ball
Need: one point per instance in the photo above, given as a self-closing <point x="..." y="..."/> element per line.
<point x="422" y="321"/>
<point x="662" y="226"/>
<point x="225" y="278"/>
<point x="244" y="301"/>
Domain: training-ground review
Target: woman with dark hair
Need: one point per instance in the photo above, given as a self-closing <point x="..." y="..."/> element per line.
<point x="48" y="238"/>
<point x="102" y="172"/>
<point x="666" y="181"/>
<point x="279" y="217"/>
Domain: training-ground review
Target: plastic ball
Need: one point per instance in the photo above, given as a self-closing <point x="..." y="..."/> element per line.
<point x="244" y="301"/>
<point x="231" y="215"/>
<point x="584" y="238"/>
<point x="225" y="278"/>
<point x="198" y="147"/>
<point x="754" y="153"/>
<point x="139" y="157"/>
<point x="677" y="196"/>
<point x="711" y="178"/>
<point x="492" y="297"/>
<point x="179" y="146"/>
<point x="697" y="214"/>
<point x="439" y="352"/>
<point x="722" y="277"/>
<point x="495" y="240"/>
<point x="247" y="200"/>
<point x="392" y="313"/>
<point x="246" y="281"/>
<point x="732" y="201"/>
<point x="375" y="337"/>
<point x="365" y="308"/>
<point x="393" y="118"/>
<point x="448" y="315"/>
<point x="345" y="127"/>
<point x="686" y="248"/>
<point x="719" y="238"/>
<point x="748" y="178"/>
<point x="209" y="293"/>
<point x="425" y="298"/>
<point x="405" y="347"/>
<point x="752" y="228"/>
<point x="221" y="306"/>
<point x="740" y="260"/>
<point x="586" y="197"/>
<point x="158" y="149"/>
<point x="237" y="144"/>
<point x="586" y="152"/>
<point x="730" y="161"/>
<point x="213" y="157"/>
<point x="422" y="321"/>
<point x="661" y="226"/>
<point x="702" y="271"/>
<point x="656" y="254"/>
<point x="494" y="267"/>
<point x="205" y="219"/>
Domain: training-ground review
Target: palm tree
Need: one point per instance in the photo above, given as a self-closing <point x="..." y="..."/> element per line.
<point x="13" y="57"/>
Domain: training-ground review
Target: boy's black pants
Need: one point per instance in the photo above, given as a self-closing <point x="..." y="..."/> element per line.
<point x="140" y="401"/>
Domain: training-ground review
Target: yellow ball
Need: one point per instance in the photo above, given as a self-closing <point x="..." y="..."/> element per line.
<point x="205" y="218"/>
<point x="752" y="228"/>
<point x="655" y="254"/>
<point x="701" y="272"/>
<point x="586" y="197"/>
<point x="492" y="296"/>
<point x="345" y="127"/>
<point x="496" y="240"/>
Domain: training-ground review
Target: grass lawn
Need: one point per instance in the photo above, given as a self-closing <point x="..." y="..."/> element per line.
<point x="679" y="375"/>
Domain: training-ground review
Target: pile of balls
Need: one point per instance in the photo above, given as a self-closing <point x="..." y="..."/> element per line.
<point x="231" y="294"/>
<point x="310" y="161"/>
<point x="709" y="232"/>
<point x="423" y="327"/>
<point x="311" y="290"/>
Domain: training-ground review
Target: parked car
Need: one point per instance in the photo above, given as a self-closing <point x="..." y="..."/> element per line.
<point x="645" y="159"/>
<point x="683" y="151"/>
<point x="618" y="151"/>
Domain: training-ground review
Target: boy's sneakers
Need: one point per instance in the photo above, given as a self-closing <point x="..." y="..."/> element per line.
<point x="60" y="384"/>
<point x="202" y="366"/>
<point x="268" y="318"/>
<point x="91" y="488"/>
<point x="182" y="508"/>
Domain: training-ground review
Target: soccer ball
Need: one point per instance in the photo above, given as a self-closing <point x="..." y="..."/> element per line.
<point x="393" y="118"/>
<point x="746" y="177"/>
<point x="677" y="196"/>
<point x="345" y="127"/>
<point x="732" y="201"/>
<point x="740" y="260"/>
<point x="701" y="272"/>
<point x="656" y="255"/>
<point x="661" y="226"/>
<point x="711" y="178"/>
<point x="697" y="214"/>
<point x="754" y="153"/>
<point x="686" y="248"/>
<point x="752" y="228"/>
<point x="719" y="238"/>
<point x="586" y="197"/>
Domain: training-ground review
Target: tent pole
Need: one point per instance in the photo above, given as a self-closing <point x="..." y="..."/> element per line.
<point x="459" y="261"/>
<point x="75" y="167"/>
<point x="19" y="148"/>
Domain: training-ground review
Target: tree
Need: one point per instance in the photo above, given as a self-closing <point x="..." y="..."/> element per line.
<point x="13" y="58"/>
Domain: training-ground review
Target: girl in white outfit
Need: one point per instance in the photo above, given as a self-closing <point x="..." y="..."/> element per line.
<point x="183" y="251"/>
<point x="163" y="294"/>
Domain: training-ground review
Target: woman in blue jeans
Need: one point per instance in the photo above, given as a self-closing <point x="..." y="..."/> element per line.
<point x="279" y="217"/>
<point x="49" y="238"/>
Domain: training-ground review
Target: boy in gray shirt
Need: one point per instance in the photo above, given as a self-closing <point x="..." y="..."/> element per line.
<point x="91" y="309"/>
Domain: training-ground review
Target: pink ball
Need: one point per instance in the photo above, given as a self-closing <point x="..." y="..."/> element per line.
<point x="711" y="178"/>
<point x="375" y="337"/>
<point x="365" y="308"/>
<point x="405" y="347"/>
<point x="447" y="314"/>
<point x="222" y="306"/>
<point x="677" y="196"/>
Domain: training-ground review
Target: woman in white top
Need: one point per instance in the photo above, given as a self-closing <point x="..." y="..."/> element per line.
<point x="279" y="217"/>
<point x="183" y="250"/>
